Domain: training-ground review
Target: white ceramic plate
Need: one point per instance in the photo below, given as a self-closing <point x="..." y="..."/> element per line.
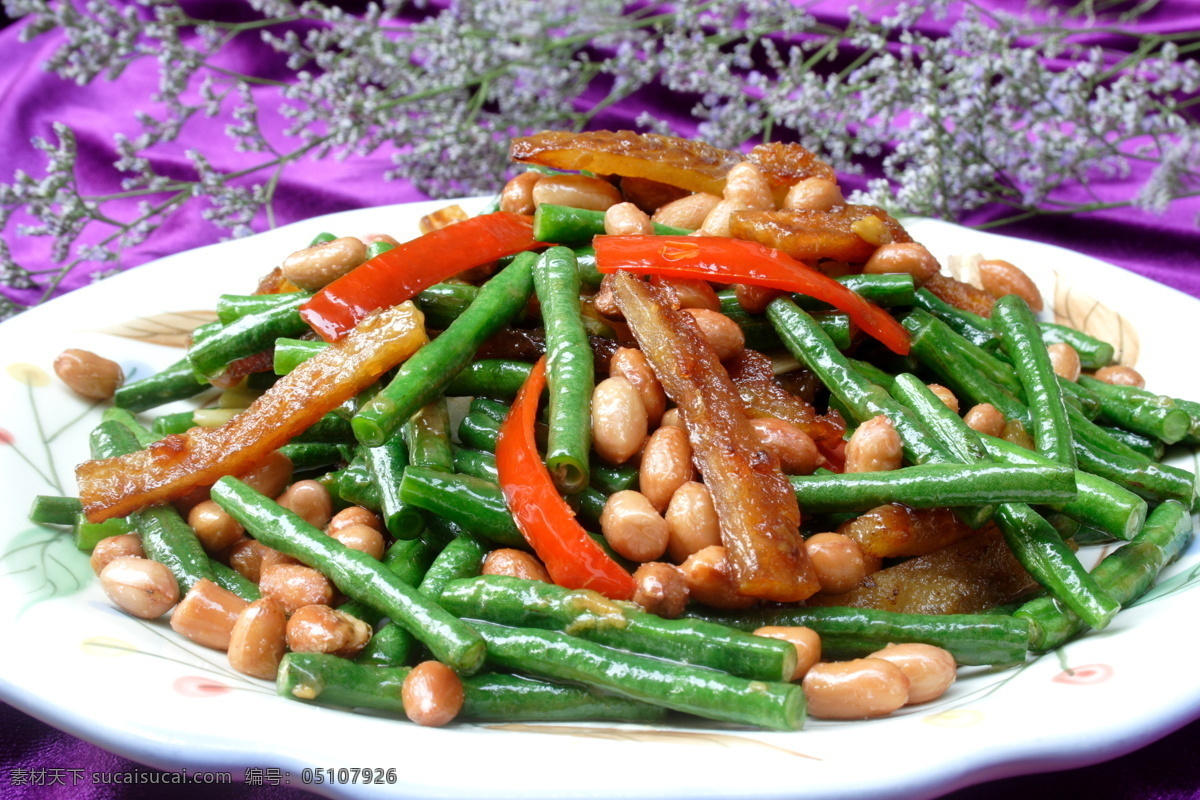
<point x="138" y="689"/>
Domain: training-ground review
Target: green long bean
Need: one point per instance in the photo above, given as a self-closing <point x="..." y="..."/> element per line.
<point x="680" y="687"/>
<point x="246" y="336"/>
<point x="588" y="615"/>
<point x="1158" y="416"/>
<point x="232" y="307"/>
<point x="497" y="697"/>
<point x="570" y="375"/>
<point x="165" y="536"/>
<point x="567" y="225"/>
<point x="1019" y="336"/>
<point x="477" y="505"/>
<point x="862" y="398"/>
<point x="973" y="639"/>
<point x="1100" y="503"/>
<point x="176" y="382"/>
<point x="427" y="435"/>
<point x="934" y="486"/>
<point x="489" y="377"/>
<point x="1126" y="574"/>
<point x="424" y="376"/>
<point x="354" y="573"/>
<point x="1035" y="543"/>
<point x="387" y="464"/>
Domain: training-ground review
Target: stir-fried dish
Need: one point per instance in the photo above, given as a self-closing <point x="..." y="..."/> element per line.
<point x="666" y="429"/>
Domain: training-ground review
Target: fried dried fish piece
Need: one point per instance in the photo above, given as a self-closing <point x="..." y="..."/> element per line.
<point x="763" y="396"/>
<point x="811" y="235"/>
<point x="967" y="577"/>
<point x="960" y="295"/>
<point x="695" y="166"/>
<point x="756" y="509"/>
<point x="895" y="530"/>
<point x="176" y="464"/>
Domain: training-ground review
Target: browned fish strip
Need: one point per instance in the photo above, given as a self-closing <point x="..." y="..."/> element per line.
<point x="755" y="505"/>
<point x="812" y="235"/>
<point x="694" y="166"/>
<point x="967" y="577"/>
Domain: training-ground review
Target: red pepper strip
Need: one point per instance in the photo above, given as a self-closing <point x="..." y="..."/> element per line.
<point x="399" y="274"/>
<point x="717" y="258"/>
<point x="544" y="518"/>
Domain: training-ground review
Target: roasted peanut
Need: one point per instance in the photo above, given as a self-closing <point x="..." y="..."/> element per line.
<point x="860" y="689"/>
<point x="249" y="558"/>
<point x="432" y="694"/>
<point x="1000" y="278"/>
<point x="717" y="221"/>
<point x="806" y="641"/>
<point x="321" y="264"/>
<point x="605" y="299"/>
<point x="691" y="293"/>
<point x="661" y="589"/>
<point x="619" y="420"/>
<point x="755" y="299"/>
<point x="985" y="418"/>
<point x="872" y="230"/>
<point x="1121" y="376"/>
<point x="631" y="364"/>
<point x="271" y="475"/>
<point x="813" y="194"/>
<point x="710" y="580"/>
<point x="139" y="586"/>
<point x="839" y="562"/>
<point x="353" y="515"/>
<point x="626" y="219"/>
<point x="88" y="374"/>
<point x="692" y="523"/>
<point x="515" y="564"/>
<point x="362" y="538"/>
<point x="1014" y="432"/>
<point x="723" y="335"/>
<point x="576" y="191"/>
<point x="517" y="196"/>
<point x="666" y="465"/>
<point x="795" y="449"/>
<point x="686" y="212"/>
<point x="671" y="418"/>
<point x="874" y="447"/>
<point x="1065" y="361"/>
<point x="296" y="586"/>
<point x="945" y="395"/>
<point x="442" y="218"/>
<point x="908" y="257"/>
<point x="383" y="238"/>
<point x="747" y="188"/>
<point x="321" y="629"/>
<point x="633" y="527"/>
<point x="930" y="670"/>
<point x="114" y="547"/>
<point x="207" y="614"/>
<point x="245" y="557"/>
<point x="257" y="641"/>
<point x="310" y="501"/>
<point x="215" y="529"/>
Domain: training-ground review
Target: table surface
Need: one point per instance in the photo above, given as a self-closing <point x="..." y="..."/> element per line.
<point x="1161" y="247"/>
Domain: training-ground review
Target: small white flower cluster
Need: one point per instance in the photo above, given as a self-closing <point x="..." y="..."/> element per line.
<point x="998" y="110"/>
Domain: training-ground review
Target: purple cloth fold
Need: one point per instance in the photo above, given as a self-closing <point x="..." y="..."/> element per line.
<point x="1161" y="247"/>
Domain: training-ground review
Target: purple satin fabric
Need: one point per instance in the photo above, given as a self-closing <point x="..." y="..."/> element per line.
<point x="1161" y="247"/>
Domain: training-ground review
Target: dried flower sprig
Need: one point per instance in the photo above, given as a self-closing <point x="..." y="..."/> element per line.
<point x="983" y="113"/>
